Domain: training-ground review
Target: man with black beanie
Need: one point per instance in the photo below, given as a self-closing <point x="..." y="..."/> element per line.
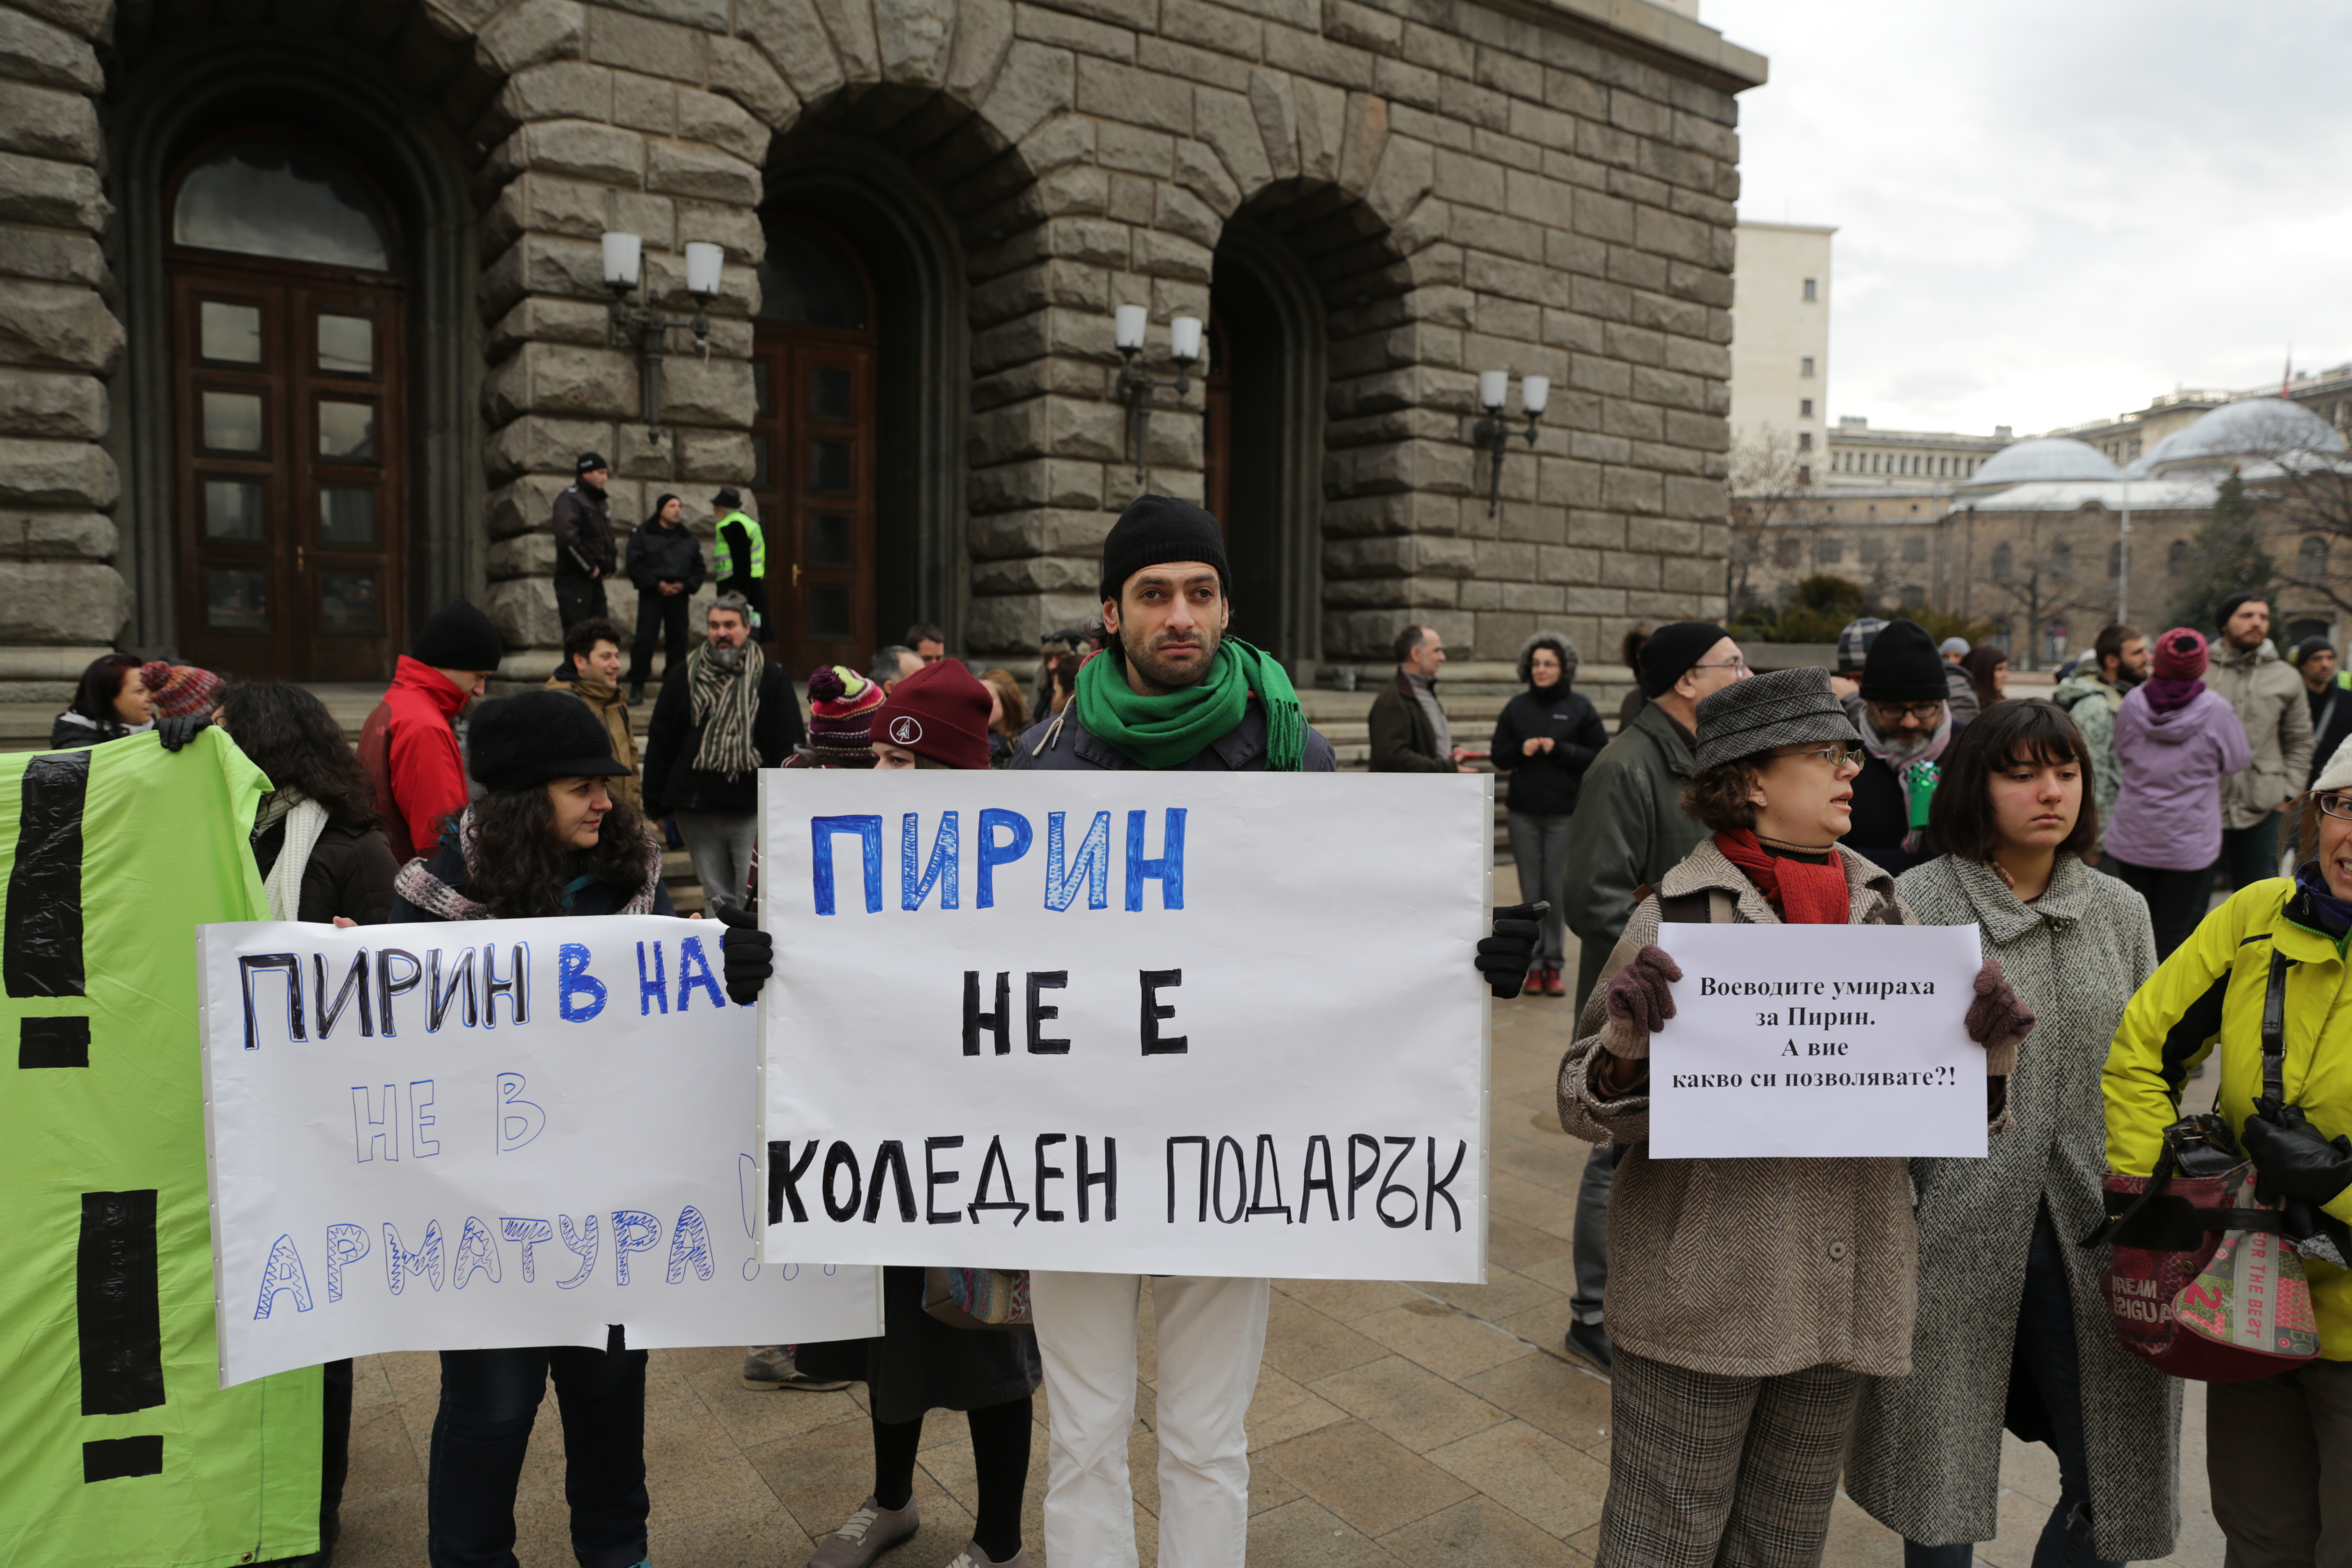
<point x="1906" y="724"/>
<point x="1628" y="831"/>
<point x="1171" y="692"/>
<point x="409" y="744"/>
<point x="585" y="556"/>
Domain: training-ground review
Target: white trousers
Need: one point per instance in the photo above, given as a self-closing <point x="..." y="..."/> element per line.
<point x="1211" y="1335"/>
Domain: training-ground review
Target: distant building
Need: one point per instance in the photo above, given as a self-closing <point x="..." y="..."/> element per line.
<point x="1781" y="342"/>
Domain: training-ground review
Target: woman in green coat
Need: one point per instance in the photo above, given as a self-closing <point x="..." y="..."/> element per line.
<point x="2012" y="1327"/>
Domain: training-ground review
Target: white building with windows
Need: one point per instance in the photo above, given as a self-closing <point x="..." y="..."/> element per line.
<point x="1781" y="342"/>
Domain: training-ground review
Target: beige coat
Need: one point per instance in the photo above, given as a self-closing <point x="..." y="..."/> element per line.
<point x="2268" y="696"/>
<point x="606" y="703"/>
<point x="1747" y="1267"/>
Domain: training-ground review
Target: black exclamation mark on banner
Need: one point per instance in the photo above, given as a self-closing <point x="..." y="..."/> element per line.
<point x="118" y="1305"/>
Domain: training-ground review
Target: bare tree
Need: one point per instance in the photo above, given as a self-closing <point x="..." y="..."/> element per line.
<point x="1769" y="481"/>
<point x="2302" y="490"/>
<point x="2041" y="578"/>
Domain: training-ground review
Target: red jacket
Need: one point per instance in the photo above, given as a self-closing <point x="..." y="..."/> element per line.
<point x="411" y="752"/>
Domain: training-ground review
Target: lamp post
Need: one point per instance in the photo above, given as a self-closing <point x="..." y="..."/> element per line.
<point x="1136" y="385"/>
<point x="646" y="325"/>
<point x="1491" y="434"/>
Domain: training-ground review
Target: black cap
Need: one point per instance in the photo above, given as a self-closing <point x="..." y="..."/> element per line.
<point x="2233" y="604"/>
<point x="516" y="742"/>
<point x="459" y="636"/>
<point x="588" y="460"/>
<point x="2306" y="647"/>
<point x="1155" y="530"/>
<point x="727" y="496"/>
<point x="1672" y="649"/>
<point x="1903" y="666"/>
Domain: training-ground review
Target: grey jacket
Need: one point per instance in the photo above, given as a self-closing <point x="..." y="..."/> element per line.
<point x="1925" y="1454"/>
<point x="2277" y="716"/>
<point x="1064" y="742"/>
<point x="1747" y="1267"/>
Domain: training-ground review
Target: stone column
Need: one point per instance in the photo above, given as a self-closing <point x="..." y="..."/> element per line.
<point x="61" y="604"/>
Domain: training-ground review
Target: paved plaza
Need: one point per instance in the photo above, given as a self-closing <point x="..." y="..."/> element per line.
<point x="1394" y="1422"/>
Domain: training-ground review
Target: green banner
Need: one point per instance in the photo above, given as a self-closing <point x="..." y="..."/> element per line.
<point x="118" y="1447"/>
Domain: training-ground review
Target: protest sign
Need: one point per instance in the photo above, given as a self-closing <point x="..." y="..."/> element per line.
<point x="464" y="1135"/>
<point x="1148" y="1022"/>
<point x="120" y="1446"/>
<point x="1794" y="1041"/>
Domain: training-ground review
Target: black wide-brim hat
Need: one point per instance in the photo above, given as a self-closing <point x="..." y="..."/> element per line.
<point x="1784" y="708"/>
<point x="516" y="742"/>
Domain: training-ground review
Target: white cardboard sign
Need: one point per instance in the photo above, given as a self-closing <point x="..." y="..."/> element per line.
<point x="1171" y="1023"/>
<point x="478" y="1134"/>
<point x="1797" y="1041"/>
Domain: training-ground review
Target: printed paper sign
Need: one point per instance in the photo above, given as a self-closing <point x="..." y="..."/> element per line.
<point x="1805" y="1041"/>
<point x="1128" y="1022"/>
<point x="486" y="1133"/>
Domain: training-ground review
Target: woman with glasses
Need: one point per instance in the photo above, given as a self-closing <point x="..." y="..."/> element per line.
<point x="2278" y="1448"/>
<point x="2174" y="740"/>
<point x="1906" y="725"/>
<point x="1742" y="1332"/>
<point x="2013" y="1326"/>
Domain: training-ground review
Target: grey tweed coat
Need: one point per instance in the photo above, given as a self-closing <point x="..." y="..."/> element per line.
<point x="1925" y="1454"/>
<point x="1747" y="1268"/>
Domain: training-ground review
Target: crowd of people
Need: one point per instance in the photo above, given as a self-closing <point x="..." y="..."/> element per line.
<point x="1772" y="1329"/>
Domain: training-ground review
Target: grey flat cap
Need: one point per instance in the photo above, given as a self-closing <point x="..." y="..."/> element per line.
<point x="1785" y="707"/>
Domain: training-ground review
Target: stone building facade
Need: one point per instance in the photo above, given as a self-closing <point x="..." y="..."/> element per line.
<point x="305" y="316"/>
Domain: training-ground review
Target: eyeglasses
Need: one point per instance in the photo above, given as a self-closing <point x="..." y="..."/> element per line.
<point x="1838" y="753"/>
<point x="2335" y="805"/>
<point x="1734" y="662"/>
<point x="1925" y="712"/>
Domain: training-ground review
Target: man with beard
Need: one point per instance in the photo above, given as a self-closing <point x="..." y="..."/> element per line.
<point x="1171" y="691"/>
<point x="2269" y="698"/>
<point x="723" y="714"/>
<point x="1906" y="726"/>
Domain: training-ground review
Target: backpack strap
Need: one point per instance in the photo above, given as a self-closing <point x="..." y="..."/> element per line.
<point x="2274" y="1030"/>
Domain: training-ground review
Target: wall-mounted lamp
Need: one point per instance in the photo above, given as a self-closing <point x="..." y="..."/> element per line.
<point x="1137" y="384"/>
<point x="1493" y="435"/>
<point x="646" y="325"/>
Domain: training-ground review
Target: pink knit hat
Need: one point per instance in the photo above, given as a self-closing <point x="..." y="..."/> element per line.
<point x="180" y="691"/>
<point x="841" y="703"/>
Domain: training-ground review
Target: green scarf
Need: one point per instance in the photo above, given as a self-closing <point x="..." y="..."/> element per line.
<point x="1169" y="731"/>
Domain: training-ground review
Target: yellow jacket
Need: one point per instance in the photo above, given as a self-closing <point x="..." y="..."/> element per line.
<point x="2211" y="990"/>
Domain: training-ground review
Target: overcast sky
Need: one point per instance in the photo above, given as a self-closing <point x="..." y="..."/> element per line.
<point x="2049" y="211"/>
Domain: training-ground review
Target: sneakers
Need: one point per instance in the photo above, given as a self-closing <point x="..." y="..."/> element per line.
<point x="771" y="1366"/>
<point x="1591" y="1341"/>
<point x="865" y="1535"/>
<point x="971" y="1556"/>
<point x="1553" y="986"/>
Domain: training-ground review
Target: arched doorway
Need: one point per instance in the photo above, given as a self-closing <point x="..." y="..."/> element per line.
<point x="285" y="303"/>
<point x="812" y="444"/>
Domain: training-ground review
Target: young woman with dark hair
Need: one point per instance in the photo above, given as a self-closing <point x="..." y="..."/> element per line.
<point x="549" y="837"/>
<point x="317" y="837"/>
<point x="2012" y="1324"/>
<point x="1743" y="1333"/>
<point x="1544" y="739"/>
<point x="109" y="702"/>
<point x="1988" y="670"/>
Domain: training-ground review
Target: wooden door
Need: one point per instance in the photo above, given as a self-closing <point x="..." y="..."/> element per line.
<point x="814" y="440"/>
<point x="289" y="449"/>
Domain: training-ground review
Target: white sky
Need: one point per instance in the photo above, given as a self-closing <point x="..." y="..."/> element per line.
<point x="2049" y="211"/>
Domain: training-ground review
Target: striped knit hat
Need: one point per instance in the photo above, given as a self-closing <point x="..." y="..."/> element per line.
<point x="180" y="691"/>
<point x="1781" y="708"/>
<point x="840" y="716"/>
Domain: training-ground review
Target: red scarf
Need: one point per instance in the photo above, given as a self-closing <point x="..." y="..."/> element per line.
<point x="1803" y="894"/>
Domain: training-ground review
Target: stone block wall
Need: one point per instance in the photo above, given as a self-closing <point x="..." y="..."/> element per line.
<point x="1540" y="190"/>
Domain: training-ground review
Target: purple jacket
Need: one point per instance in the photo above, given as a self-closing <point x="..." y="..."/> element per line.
<point x="2169" y="815"/>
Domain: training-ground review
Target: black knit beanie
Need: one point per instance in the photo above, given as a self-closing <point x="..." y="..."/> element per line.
<point x="516" y="742"/>
<point x="1673" y="649"/>
<point x="1903" y="666"/>
<point x="459" y="636"/>
<point x="1156" y="530"/>
<point x="2233" y="604"/>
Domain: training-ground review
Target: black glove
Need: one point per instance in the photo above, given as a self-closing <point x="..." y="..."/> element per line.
<point x="177" y="732"/>
<point x="1502" y="956"/>
<point x="2292" y="1157"/>
<point x="749" y="953"/>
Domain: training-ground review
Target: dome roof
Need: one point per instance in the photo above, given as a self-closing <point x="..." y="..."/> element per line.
<point x="2042" y="458"/>
<point x="2251" y="427"/>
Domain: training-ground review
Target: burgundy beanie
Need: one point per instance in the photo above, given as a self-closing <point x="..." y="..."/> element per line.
<point x="941" y="712"/>
<point x="841" y="714"/>
<point x="2181" y="655"/>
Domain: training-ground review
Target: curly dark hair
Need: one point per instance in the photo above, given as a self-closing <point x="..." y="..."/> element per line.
<point x="94" y="696"/>
<point x="289" y="736"/>
<point x="1716" y="798"/>
<point x="519" y="869"/>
